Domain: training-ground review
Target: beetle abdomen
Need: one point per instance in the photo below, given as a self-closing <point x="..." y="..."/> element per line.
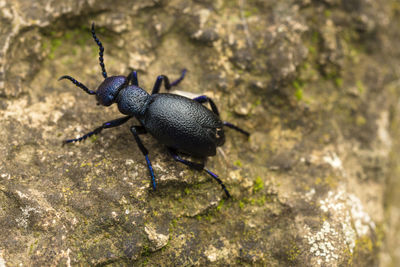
<point x="184" y="124"/>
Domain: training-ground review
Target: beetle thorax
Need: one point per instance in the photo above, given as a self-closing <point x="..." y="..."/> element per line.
<point x="132" y="100"/>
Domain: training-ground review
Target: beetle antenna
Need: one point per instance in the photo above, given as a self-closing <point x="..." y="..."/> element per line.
<point x="80" y="85"/>
<point x="101" y="48"/>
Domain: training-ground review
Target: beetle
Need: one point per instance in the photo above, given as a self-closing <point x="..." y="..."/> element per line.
<point x="182" y="124"/>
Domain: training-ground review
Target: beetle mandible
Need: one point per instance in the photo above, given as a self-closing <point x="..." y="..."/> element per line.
<point x="180" y="123"/>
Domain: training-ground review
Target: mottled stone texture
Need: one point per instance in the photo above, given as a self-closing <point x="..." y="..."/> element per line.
<point x="315" y="82"/>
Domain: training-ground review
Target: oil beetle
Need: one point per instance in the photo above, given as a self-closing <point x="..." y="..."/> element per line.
<point x="181" y="124"/>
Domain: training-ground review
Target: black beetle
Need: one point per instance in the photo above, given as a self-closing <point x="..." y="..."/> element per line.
<point x="182" y="124"/>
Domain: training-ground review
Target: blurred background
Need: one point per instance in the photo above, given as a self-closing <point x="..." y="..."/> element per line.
<point x="316" y="83"/>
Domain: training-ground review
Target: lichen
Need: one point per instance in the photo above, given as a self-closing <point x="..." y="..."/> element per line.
<point x="293" y="252"/>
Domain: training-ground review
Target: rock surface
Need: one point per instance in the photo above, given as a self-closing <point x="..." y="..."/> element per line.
<point x="315" y="82"/>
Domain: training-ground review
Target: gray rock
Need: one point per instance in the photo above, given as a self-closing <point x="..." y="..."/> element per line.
<point x="315" y="185"/>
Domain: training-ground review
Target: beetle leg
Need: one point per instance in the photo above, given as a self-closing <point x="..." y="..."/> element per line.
<point x="203" y="99"/>
<point x="132" y="78"/>
<point x="193" y="165"/>
<point x="167" y="84"/>
<point x="199" y="167"/>
<point x="230" y="125"/>
<point x="157" y="85"/>
<point x="110" y="124"/>
<point x="213" y="175"/>
<point x="177" y="81"/>
<point x="136" y="130"/>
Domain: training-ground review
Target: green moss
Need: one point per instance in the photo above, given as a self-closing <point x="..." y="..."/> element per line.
<point x="312" y="50"/>
<point x="332" y="74"/>
<point x="258" y="184"/>
<point x="364" y="243"/>
<point x="380" y="235"/>
<point x="315" y="37"/>
<point x="99" y="30"/>
<point x="256" y="103"/>
<point x="229" y="114"/>
<point x="299" y="89"/>
<point x="260" y="44"/>
<point x="55" y="43"/>
<point x="328" y="13"/>
<point x="80" y="255"/>
<point x="93" y="138"/>
<point x="174" y="223"/>
<point x="220" y="204"/>
<point x="45" y="46"/>
<point x="94" y="50"/>
<point x="299" y="94"/>
<point x="187" y="191"/>
<point x="57" y="39"/>
<point x="84" y="164"/>
<point x="360" y="120"/>
<point x="269" y="199"/>
<point x="331" y="181"/>
<point x="247" y="13"/>
<point x="68" y="35"/>
<point x="207" y="217"/>
<point x="32" y="247"/>
<point x="297" y="84"/>
<point x="360" y="86"/>
<point x="261" y="201"/>
<point x="238" y="163"/>
<point x="145" y="262"/>
<point x="354" y="47"/>
<point x="339" y="82"/>
<point x="146" y="251"/>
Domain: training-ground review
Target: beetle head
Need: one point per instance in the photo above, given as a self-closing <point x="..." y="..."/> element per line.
<point x="109" y="88"/>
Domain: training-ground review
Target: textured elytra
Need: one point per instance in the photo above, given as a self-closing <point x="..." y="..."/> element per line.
<point x="184" y="124"/>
